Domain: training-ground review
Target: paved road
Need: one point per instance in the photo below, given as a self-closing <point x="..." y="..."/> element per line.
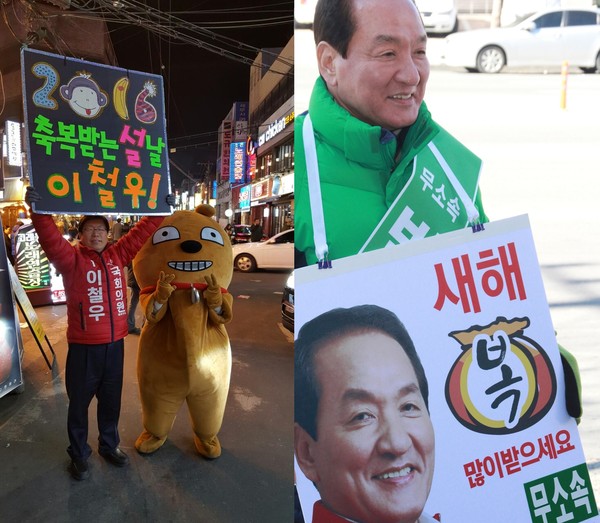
<point x="251" y="482"/>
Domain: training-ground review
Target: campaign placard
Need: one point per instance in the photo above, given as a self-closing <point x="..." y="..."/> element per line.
<point x="96" y="136"/>
<point x="475" y="307"/>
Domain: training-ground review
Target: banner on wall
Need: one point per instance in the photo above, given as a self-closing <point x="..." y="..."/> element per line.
<point x="474" y="305"/>
<point x="96" y="136"/>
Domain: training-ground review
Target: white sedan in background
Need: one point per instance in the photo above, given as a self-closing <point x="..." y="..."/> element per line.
<point x="545" y="39"/>
<point x="439" y="16"/>
<point x="275" y="253"/>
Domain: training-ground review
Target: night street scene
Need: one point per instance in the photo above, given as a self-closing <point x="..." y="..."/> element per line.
<point x="188" y="99"/>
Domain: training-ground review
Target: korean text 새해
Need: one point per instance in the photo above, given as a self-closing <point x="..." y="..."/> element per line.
<point x="514" y="459"/>
<point x="494" y="272"/>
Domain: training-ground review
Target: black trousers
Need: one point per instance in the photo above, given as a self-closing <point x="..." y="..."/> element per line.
<point x="94" y="370"/>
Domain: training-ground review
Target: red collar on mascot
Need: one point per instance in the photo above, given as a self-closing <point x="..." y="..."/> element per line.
<point x="181" y="285"/>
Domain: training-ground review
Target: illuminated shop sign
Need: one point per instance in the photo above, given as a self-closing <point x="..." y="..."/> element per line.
<point x="275" y="128"/>
<point x="13" y="143"/>
<point x="244" y="201"/>
<point x="237" y="162"/>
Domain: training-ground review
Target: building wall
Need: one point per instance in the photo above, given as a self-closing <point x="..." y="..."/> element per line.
<point x="263" y="82"/>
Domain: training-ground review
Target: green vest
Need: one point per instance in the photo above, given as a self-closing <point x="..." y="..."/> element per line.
<point x="369" y="198"/>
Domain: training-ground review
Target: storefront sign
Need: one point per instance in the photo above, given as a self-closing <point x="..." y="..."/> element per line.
<point x="13" y="143"/>
<point x="244" y="201"/>
<point x="226" y="136"/>
<point x="275" y="128"/>
<point x="96" y="136"/>
<point x="237" y="164"/>
<point x="31" y="263"/>
<point x="261" y="190"/>
<point x="474" y="305"/>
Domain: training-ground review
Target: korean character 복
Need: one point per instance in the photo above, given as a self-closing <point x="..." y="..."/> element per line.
<point x="67" y="138"/>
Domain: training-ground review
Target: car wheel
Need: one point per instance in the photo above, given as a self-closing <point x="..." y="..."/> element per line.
<point x="245" y="263"/>
<point x="490" y="59"/>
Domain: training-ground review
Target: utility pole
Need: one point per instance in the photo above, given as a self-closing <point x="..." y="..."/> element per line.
<point x="496" y="12"/>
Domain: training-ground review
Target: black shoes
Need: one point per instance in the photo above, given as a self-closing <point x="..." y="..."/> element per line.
<point x="116" y="457"/>
<point x="79" y="469"/>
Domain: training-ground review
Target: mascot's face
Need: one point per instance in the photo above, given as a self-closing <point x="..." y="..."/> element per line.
<point x="189" y="244"/>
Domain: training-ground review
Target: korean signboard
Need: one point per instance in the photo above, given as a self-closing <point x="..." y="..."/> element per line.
<point x="96" y="136"/>
<point x="226" y="136"/>
<point x="244" y="198"/>
<point x="237" y="163"/>
<point x="474" y="306"/>
<point x="31" y="263"/>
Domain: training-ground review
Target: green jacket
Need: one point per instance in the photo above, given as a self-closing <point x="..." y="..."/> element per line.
<point x="359" y="172"/>
<point x="361" y="176"/>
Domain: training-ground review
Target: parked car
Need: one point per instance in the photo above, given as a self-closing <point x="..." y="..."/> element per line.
<point x="439" y="16"/>
<point x="240" y="234"/>
<point x="275" y="253"/>
<point x="544" y="39"/>
<point x="287" y="304"/>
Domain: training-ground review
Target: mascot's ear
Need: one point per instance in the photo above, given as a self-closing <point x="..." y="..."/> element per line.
<point x="206" y="210"/>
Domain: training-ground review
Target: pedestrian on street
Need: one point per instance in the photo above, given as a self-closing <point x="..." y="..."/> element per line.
<point x="135" y="299"/>
<point x="117" y="230"/>
<point x="256" y="231"/>
<point x="94" y="279"/>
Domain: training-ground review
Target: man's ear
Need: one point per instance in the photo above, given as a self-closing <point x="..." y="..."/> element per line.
<point x="326" y="59"/>
<point x="304" y="447"/>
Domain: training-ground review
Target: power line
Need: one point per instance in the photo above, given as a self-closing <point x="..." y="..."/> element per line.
<point x="165" y="24"/>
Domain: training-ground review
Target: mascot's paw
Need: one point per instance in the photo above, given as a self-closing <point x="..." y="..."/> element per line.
<point x="147" y="443"/>
<point x="208" y="448"/>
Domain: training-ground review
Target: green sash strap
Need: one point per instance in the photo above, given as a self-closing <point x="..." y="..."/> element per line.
<point x="433" y="201"/>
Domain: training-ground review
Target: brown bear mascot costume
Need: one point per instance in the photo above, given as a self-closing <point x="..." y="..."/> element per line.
<point x="183" y="272"/>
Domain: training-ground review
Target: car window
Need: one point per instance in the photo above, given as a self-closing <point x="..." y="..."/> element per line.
<point x="548" y="20"/>
<point x="581" y="18"/>
<point x="288" y="237"/>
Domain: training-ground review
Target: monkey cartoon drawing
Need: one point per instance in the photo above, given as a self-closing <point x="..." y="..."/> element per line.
<point x="84" y="95"/>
